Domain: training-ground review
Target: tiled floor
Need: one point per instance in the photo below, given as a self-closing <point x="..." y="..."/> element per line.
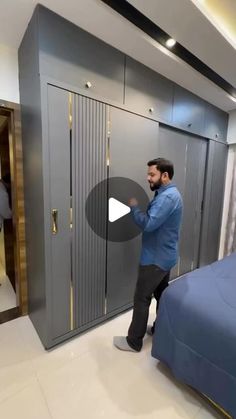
<point x="7" y="293"/>
<point x="88" y="378"/>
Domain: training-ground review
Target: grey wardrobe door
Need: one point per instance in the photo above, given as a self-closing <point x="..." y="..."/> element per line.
<point x="59" y="178"/>
<point x="89" y="160"/>
<point x="193" y="198"/>
<point x="213" y="202"/>
<point x="133" y="142"/>
<point x="173" y="146"/>
<point x="188" y="153"/>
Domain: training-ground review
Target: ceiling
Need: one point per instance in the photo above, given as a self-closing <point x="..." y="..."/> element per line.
<point x="222" y="14"/>
<point x="204" y="27"/>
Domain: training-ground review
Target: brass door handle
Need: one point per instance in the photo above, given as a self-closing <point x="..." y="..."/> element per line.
<point x="54" y="221"/>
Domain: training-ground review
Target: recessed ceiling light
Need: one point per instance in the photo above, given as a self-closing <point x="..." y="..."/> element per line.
<point x="170" y="42"/>
<point x="233" y="98"/>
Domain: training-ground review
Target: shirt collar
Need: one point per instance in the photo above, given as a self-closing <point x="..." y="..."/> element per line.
<point x="163" y="188"/>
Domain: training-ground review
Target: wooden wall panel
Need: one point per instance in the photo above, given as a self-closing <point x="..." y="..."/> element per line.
<point x="12" y="110"/>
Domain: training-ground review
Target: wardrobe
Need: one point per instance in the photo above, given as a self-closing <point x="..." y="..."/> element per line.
<point x="91" y="114"/>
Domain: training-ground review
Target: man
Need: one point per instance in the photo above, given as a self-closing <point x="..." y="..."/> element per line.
<point x="160" y="225"/>
<point x="5" y="210"/>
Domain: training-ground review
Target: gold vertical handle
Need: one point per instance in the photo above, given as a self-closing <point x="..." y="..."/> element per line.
<point x="54" y="221"/>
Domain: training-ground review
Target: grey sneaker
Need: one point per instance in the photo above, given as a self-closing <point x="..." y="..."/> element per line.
<point x="121" y="343"/>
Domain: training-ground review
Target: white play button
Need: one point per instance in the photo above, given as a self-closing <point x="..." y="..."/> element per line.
<point x="106" y="212"/>
<point x="117" y="210"/>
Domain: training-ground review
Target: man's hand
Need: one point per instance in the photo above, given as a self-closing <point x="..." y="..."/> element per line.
<point x="133" y="202"/>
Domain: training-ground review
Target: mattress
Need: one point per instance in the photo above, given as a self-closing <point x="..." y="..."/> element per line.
<point x="195" y="332"/>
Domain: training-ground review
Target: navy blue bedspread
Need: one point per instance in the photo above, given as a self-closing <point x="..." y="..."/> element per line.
<point x="196" y="331"/>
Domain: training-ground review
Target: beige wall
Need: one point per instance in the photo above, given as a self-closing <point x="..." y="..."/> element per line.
<point x="231" y="135"/>
<point x="229" y="174"/>
<point x="9" y="81"/>
<point x="231" y="139"/>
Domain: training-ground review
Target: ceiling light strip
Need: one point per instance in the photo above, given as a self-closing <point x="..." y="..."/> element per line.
<point x="128" y="11"/>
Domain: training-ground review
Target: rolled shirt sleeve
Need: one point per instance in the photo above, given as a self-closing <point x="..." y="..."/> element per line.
<point x="157" y="214"/>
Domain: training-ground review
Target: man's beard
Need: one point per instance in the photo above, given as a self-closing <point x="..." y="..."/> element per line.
<point x="156" y="185"/>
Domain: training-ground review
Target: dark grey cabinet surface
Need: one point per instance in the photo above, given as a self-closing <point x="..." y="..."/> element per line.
<point x="147" y="92"/>
<point x="133" y="142"/>
<point x="77" y="279"/>
<point x="213" y="202"/>
<point x="89" y="249"/>
<point x="216" y="123"/>
<point x="193" y="200"/>
<point x="59" y="179"/>
<point x="30" y="99"/>
<point x="188" y="153"/>
<point x="71" y="55"/>
<point x="188" y="111"/>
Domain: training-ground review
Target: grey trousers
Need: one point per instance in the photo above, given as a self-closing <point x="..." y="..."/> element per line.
<point x="152" y="280"/>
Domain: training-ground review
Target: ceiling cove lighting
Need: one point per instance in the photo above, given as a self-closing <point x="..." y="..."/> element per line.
<point x="133" y="15"/>
<point x="170" y="42"/>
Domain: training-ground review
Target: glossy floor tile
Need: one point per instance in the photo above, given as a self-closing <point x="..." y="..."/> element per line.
<point x="7" y="294"/>
<point x="27" y="403"/>
<point x="88" y="378"/>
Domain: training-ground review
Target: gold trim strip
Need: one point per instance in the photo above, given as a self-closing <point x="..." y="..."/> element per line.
<point x="108" y="137"/>
<point x="70" y="110"/>
<point x="105" y="306"/>
<point x="71" y="217"/>
<point x="178" y="267"/>
<point x="71" y="307"/>
<point x="218" y="407"/>
<point x="71" y="223"/>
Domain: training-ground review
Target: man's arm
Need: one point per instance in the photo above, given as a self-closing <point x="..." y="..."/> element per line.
<point x="157" y="214"/>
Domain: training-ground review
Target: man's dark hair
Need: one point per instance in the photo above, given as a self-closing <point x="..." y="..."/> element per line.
<point x="163" y="165"/>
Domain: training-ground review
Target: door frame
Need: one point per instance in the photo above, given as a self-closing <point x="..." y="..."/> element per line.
<point x="12" y="111"/>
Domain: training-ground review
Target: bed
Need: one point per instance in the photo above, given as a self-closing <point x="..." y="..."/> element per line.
<point x="195" y="332"/>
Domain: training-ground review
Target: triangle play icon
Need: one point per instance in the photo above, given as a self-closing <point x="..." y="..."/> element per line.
<point x="117" y="210"/>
